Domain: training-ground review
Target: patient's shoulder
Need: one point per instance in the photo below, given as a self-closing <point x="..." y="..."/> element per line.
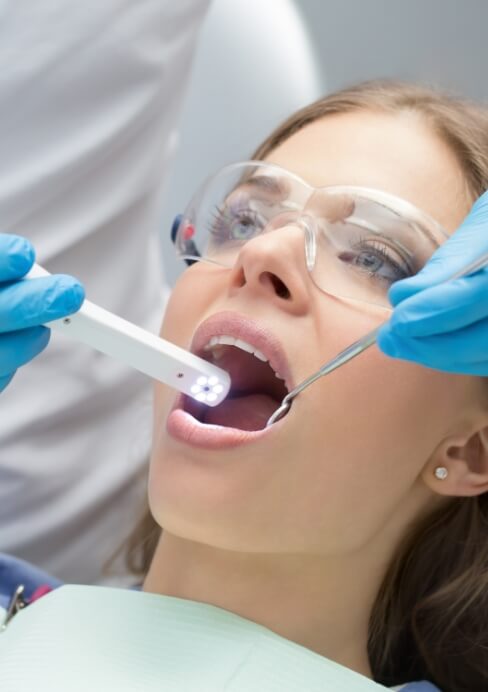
<point x="14" y="572"/>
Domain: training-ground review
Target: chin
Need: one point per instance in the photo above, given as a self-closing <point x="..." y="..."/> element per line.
<point x="204" y="503"/>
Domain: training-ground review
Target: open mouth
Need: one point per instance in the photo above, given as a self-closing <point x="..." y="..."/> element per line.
<point x="255" y="394"/>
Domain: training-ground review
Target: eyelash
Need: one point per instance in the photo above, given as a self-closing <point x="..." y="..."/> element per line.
<point x="379" y="250"/>
<point x="218" y="217"/>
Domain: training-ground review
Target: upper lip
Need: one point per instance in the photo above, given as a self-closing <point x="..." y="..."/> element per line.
<point x="241" y="327"/>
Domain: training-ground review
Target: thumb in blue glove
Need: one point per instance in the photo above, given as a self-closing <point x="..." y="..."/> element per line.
<point x="26" y="305"/>
<point x="444" y="326"/>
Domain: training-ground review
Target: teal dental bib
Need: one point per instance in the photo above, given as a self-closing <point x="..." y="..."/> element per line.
<point x="80" y="638"/>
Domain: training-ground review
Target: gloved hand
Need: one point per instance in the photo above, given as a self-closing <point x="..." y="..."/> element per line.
<point x="444" y="327"/>
<point x="25" y="305"/>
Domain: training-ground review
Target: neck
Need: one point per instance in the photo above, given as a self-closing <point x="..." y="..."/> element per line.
<point x="317" y="602"/>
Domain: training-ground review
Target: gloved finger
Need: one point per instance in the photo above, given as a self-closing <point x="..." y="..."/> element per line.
<point x="18" y="348"/>
<point x="17" y="256"/>
<point x="464" y="351"/>
<point x="464" y="246"/>
<point x="31" y="302"/>
<point x="442" y="308"/>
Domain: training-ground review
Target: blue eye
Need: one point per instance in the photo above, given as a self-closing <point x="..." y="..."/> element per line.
<point x="243" y="226"/>
<point x="375" y="258"/>
<point x="235" y="224"/>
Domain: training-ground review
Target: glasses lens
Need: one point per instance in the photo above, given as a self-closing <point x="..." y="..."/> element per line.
<point x="235" y="206"/>
<point x="358" y="242"/>
<point x="363" y="246"/>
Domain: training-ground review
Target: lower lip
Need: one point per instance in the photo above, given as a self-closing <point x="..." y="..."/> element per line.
<point x="184" y="427"/>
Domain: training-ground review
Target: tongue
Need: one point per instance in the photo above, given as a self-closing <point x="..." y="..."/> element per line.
<point x="247" y="412"/>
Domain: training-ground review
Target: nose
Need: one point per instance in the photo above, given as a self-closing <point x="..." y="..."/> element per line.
<point x="273" y="266"/>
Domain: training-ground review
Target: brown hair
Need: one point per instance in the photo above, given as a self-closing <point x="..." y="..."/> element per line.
<point x="430" y="618"/>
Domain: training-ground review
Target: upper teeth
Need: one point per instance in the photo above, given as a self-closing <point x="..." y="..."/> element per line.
<point x="231" y="341"/>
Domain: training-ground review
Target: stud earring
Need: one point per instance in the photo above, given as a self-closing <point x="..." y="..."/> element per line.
<point x="441" y="473"/>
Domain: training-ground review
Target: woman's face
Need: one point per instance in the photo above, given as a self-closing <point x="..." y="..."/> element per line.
<point x="345" y="464"/>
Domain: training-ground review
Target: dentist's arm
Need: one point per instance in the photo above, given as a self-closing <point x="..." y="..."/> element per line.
<point x="444" y="327"/>
<point x="26" y="305"/>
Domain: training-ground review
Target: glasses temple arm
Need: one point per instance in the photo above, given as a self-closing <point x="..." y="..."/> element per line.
<point x="191" y="244"/>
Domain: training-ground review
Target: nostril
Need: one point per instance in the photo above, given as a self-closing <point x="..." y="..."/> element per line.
<point x="279" y="286"/>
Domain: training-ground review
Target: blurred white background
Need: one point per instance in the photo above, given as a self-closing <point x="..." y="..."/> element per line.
<point x="441" y="41"/>
<point x="259" y="60"/>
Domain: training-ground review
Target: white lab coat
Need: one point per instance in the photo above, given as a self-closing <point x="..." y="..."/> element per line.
<point x="90" y="96"/>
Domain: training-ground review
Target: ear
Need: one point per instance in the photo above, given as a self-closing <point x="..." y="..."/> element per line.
<point x="466" y="462"/>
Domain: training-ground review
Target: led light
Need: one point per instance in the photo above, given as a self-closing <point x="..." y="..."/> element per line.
<point x="207" y="389"/>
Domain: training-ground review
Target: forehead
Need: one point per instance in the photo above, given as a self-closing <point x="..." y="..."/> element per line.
<point x="398" y="154"/>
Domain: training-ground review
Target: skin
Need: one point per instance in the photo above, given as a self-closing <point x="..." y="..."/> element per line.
<point x="295" y="532"/>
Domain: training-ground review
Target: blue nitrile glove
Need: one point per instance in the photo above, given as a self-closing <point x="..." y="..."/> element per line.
<point x="25" y="305"/>
<point x="444" y="327"/>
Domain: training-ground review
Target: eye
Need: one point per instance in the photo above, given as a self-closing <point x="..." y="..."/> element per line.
<point x="377" y="259"/>
<point x="244" y="225"/>
<point x="235" y="224"/>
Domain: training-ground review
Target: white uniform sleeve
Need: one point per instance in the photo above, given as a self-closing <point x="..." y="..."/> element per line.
<point x="90" y="96"/>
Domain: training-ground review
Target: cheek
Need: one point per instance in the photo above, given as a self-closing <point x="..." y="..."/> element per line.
<point x="183" y="310"/>
<point x="364" y="437"/>
<point x="373" y="400"/>
<point x="363" y="433"/>
<point x="199" y="287"/>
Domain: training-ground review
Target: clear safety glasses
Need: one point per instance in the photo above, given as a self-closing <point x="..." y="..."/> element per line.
<point x="357" y="241"/>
